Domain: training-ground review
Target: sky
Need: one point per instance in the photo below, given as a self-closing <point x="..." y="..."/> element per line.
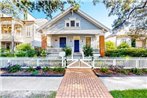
<point x="98" y="12"/>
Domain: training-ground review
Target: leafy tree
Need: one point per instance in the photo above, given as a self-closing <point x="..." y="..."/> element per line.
<point x="110" y="45"/>
<point x="128" y="11"/>
<point x="131" y="16"/>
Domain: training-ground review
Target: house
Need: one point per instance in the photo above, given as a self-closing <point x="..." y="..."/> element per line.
<point x="73" y="29"/>
<point x="124" y="36"/>
<point x="15" y="31"/>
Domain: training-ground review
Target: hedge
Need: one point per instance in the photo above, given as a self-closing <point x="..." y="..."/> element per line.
<point x="132" y="52"/>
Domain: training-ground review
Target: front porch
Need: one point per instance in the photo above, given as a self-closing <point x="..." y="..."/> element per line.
<point x="56" y="42"/>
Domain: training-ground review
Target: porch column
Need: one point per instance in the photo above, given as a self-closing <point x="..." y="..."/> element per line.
<point x="102" y="45"/>
<point x="49" y="40"/>
<point x="12" y="35"/>
<point x="0" y="29"/>
<point x="43" y="41"/>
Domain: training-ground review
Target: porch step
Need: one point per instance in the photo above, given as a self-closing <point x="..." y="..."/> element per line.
<point x="77" y="55"/>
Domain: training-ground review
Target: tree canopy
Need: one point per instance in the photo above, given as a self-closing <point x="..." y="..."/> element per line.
<point x="132" y="13"/>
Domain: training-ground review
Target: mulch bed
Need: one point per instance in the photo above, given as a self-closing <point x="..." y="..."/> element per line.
<point x="115" y="73"/>
<point x="39" y="73"/>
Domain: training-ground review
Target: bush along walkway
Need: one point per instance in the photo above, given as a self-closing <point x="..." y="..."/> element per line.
<point x="82" y="83"/>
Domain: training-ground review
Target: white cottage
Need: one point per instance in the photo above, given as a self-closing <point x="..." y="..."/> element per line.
<point x="73" y="29"/>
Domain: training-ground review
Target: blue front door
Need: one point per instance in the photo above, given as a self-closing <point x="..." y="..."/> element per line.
<point x="62" y="42"/>
<point x="76" y="45"/>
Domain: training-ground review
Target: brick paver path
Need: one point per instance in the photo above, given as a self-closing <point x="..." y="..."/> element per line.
<point x="82" y="83"/>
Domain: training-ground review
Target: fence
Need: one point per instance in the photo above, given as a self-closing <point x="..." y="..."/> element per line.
<point x="59" y="62"/>
<point x="31" y="62"/>
<point x="120" y="62"/>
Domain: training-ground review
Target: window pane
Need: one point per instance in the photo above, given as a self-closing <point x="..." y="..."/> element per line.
<point x="67" y="24"/>
<point x="72" y="23"/>
<point x="77" y="24"/>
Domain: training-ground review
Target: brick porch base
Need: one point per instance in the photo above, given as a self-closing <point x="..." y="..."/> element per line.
<point x="82" y="83"/>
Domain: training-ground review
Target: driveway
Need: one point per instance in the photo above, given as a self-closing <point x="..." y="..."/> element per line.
<point x="30" y="83"/>
<point x="123" y="83"/>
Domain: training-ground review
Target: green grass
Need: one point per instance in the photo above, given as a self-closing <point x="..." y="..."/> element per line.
<point x="142" y="93"/>
<point x="53" y="95"/>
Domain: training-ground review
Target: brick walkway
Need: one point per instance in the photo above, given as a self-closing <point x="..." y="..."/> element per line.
<point x="82" y="83"/>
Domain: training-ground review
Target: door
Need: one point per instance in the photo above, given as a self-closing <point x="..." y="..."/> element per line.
<point x="62" y="42"/>
<point x="76" y="45"/>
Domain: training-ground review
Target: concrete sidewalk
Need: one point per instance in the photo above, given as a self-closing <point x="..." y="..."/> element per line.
<point x="30" y="83"/>
<point x="123" y="83"/>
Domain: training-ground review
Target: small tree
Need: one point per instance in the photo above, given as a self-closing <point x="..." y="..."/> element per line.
<point x="123" y="45"/>
<point x="88" y="50"/>
<point x="110" y="45"/>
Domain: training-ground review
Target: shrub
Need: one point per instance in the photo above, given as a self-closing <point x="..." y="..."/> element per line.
<point x="24" y="50"/>
<point x="43" y="53"/>
<point x="14" y="68"/>
<point x="136" y="71"/>
<point x="30" y="69"/>
<point x="58" y="69"/>
<point x="5" y="53"/>
<point x="67" y="51"/>
<point x="46" y="69"/>
<point x="88" y="50"/>
<point x="123" y="45"/>
<point x="35" y="72"/>
<point x="110" y="45"/>
<point x="145" y="71"/>
<point x="38" y="68"/>
<point x="104" y="70"/>
<point x="124" y="71"/>
<point x="132" y="52"/>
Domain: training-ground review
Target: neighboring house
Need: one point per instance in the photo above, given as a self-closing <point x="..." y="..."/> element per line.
<point x="15" y="31"/>
<point x="122" y="36"/>
<point x="73" y="29"/>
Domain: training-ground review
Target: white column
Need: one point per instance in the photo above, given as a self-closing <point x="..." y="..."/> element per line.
<point x="97" y="42"/>
<point x="0" y="30"/>
<point x="49" y="40"/>
<point x="12" y="36"/>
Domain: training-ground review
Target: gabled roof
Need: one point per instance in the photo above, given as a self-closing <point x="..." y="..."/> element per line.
<point x="83" y="14"/>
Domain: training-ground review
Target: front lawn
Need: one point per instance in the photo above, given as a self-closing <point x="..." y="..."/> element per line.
<point x="142" y="93"/>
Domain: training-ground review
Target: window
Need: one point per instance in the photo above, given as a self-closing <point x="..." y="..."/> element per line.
<point x="67" y="24"/>
<point x="72" y="23"/>
<point x="28" y="31"/>
<point x="77" y="24"/>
